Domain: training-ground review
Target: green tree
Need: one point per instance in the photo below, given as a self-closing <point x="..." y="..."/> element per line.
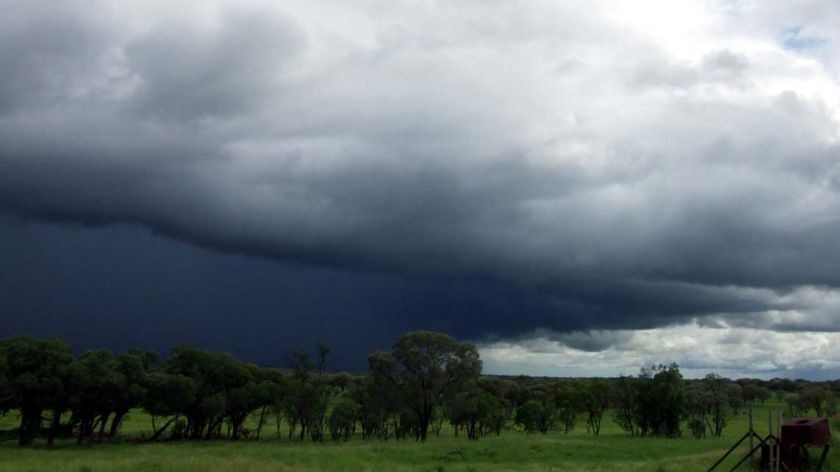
<point x="536" y="416"/>
<point x="167" y="395"/>
<point x="667" y="395"/>
<point x="132" y="369"/>
<point x="708" y="404"/>
<point x="343" y="419"/>
<point x="815" y="397"/>
<point x="566" y="403"/>
<point x="308" y="397"/>
<point x="627" y="405"/>
<point x="477" y="411"/>
<point x="95" y="384"/>
<point x="36" y="378"/>
<point x="594" y="399"/>
<point x="424" y="366"/>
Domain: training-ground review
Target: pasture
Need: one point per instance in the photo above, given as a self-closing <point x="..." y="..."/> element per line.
<point x="514" y="450"/>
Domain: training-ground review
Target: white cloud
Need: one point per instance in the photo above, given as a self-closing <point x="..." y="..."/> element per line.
<point x="730" y="351"/>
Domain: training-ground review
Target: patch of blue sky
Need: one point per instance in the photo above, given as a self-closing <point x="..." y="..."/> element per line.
<point x="796" y="39"/>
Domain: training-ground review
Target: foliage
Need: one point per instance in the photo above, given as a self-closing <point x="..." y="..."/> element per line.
<point x="651" y="404"/>
<point x="709" y="406"/>
<point x="426" y="379"/>
<point x="535" y="416"/>
<point x="594" y="398"/>
<point x="36" y="377"/>
<point x="422" y="368"/>
<point x="343" y="419"/>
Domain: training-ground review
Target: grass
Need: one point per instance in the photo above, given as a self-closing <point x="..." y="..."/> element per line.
<point x="613" y="450"/>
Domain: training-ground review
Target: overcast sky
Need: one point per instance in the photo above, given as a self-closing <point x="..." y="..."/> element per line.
<point x="579" y="188"/>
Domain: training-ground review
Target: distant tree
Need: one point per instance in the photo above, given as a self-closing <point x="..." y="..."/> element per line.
<point x="341" y="380"/>
<point x="422" y="367"/>
<point x="753" y="392"/>
<point x="132" y="369"/>
<point x="323" y="356"/>
<point x="343" y="419"/>
<point x="5" y="384"/>
<point x="708" y="404"/>
<point x="736" y="396"/>
<point x="167" y="395"/>
<point x="594" y="400"/>
<point x="796" y="407"/>
<point x="243" y="396"/>
<point x="536" y="416"/>
<point x="477" y="411"/>
<point x="697" y="408"/>
<point x="35" y="377"/>
<point x="626" y="404"/>
<point x="308" y="397"/>
<point x="380" y="406"/>
<point x="763" y="395"/>
<point x="653" y="403"/>
<point x="271" y="391"/>
<point x="496" y="408"/>
<point x="667" y="391"/>
<point x="509" y="391"/>
<point x="815" y="397"/>
<point x="226" y="389"/>
<point x="96" y="385"/>
<point x="301" y="365"/>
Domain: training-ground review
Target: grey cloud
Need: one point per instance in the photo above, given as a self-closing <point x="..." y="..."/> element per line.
<point x="184" y="71"/>
<point x="726" y="62"/>
<point x="48" y="52"/>
<point x="590" y="197"/>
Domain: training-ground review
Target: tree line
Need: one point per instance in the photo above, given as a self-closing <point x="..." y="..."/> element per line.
<point x="425" y="380"/>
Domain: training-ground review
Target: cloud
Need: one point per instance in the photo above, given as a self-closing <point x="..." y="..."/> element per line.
<point x="730" y="351"/>
<point x="615" y="167"/>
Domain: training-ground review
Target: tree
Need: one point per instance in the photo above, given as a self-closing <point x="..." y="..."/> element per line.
<point x="709" y="405"/>
<point x="567" y="406"/>
<point x="653" y="403"/>
<point x="594" y="399"/>
<point x="95" y="384"/>
<point x="422" y="367"/>
<point x="667" y="397"/>
<point x="132" y="368"/>
<point x="323" y="355"/>
<point x="536" y="416"/>
<point x="477" y="411"/>
<point x="379" y="402"/>
<point x="751" y="392"/>
<point x="270" y="392"/>
<point x="36" y="377"/>
<point x="225" y="389"/>
<point x="815" y="397"/>
<point x="343" y="419"/>
<point x="626" y="405"/>
<point x="167" y="395"/>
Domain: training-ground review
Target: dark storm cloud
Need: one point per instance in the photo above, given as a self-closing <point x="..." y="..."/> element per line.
<point x="523" y="176"/>
<point x="185" y="72"/>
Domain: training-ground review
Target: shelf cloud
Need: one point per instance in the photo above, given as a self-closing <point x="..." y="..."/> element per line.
<point x="532" y="167"/>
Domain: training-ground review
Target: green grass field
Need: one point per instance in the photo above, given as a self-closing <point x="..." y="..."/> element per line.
<point x="513" y="451"/>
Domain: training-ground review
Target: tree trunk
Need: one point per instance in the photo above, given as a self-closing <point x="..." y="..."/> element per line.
<point x="423" y="419"/>
<point x="162" y="429"/>
<point x="30" y="422"/>
<point x="115" y="423"/>
<point x="56" y="423"/>
<point x="103" y="420"/>
<point x="262" y="421"/>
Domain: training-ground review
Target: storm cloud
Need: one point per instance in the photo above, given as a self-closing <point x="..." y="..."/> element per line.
<point x="529" y="167"/>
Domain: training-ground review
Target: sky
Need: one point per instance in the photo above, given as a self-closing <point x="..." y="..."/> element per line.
<point x="578" y="189"/>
